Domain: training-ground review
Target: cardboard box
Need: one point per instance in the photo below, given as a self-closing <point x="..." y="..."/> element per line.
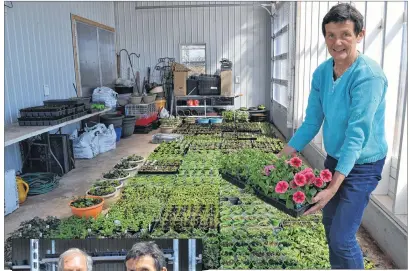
<point x="226" y="83"/>
<point x="180" y="76"/>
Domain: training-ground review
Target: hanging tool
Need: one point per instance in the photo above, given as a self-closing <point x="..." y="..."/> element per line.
<point x="129" y="59"/>
<point x="147" y="85"/>
<point x="137" y="82"/>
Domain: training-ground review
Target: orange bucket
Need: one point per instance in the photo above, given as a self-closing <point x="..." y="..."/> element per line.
<point x="159" y="104"/>
<point x="88" y="212"/>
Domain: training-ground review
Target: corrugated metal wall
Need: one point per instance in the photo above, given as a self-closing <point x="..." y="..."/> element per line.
<point x="384" y="22"/>
<point x="240" y="34"/>
<point x="39" y="51"/>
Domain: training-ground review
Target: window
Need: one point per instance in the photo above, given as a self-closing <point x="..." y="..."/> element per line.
<point x="193" y="56"/>
<point x="94" y="55"/>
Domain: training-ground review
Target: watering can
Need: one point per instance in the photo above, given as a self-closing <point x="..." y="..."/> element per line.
<point x="22" y="188"/>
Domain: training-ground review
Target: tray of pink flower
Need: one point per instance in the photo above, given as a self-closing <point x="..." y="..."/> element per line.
<point x="286" y="183"/>
<point x="289" y="185"/>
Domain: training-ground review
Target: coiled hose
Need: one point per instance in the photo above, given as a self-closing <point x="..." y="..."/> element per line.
<point x="40" y="183"/>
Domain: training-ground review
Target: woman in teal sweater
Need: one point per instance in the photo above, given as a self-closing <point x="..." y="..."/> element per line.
<point x="348" y="97"/>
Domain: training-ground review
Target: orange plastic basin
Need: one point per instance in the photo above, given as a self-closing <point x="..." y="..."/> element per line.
<point x="88" y="212"/>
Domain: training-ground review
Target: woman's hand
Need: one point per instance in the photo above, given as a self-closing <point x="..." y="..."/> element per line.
<point x="324" y="196"/>
<point x="287" y="150"/>
<point x="321" y="199"/>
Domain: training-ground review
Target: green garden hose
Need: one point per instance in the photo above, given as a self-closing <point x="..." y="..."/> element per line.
<point x="40" y="183"/>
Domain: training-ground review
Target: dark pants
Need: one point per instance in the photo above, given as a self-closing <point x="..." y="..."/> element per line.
<point x="343" y="214"/>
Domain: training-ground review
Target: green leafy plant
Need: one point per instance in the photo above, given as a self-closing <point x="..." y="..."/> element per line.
<point x="84" y="202"/>
<point x="125" y="164"/>
<point x="101" y="191"/>
<point x="115" y="174"/>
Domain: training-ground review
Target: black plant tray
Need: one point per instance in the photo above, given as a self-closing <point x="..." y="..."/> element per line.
<point x="233" y="180"/>
<point x="247" y="138"/>
<point x="62" y="102"/>
<point x="259" y="118"/>
<point x="143" y="129"/>
<point x="70" y="110"/>
<point x="77" y="115"/>
<point x="79" y="108"/>
<point x="281" y="206"/>
<point x="43" y="111"/>
<point x="157" y="172"/>
<point x="48" y="121"/>
<point x="42" y="121"/>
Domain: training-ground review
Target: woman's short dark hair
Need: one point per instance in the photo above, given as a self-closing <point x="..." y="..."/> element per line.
<point x="341" y="13"/>
<point x="147" y="249"/>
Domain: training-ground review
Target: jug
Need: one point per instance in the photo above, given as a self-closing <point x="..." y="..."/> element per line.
<point x="22" y="188"/>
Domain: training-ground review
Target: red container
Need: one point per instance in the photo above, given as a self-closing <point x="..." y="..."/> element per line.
<point x="146" y="120"/>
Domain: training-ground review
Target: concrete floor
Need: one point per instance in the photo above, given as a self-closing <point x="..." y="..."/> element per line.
<point x="77" y="182"/>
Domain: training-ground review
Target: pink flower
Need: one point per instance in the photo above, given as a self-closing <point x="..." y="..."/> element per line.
<point x="295" y="162"/>
<point x="299" y="179"/>
<point x="326" y="175"/>
<point x="268" y="169"/>
<point x="318" y="182"/>
<point x="281" y="187"/>
<point x="293" y="185"/>
<point x="306" y="170"/>
<point x="299" y="197"/>
<point x="310" y="177"/>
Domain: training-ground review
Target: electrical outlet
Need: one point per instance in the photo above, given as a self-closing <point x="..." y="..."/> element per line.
<point x="46" y="90"/>
<point x="237" y="79"/>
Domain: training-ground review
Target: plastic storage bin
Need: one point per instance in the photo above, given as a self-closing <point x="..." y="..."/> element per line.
<point x="192" y="86"/>
<point x="118" y="132"/>
<point x="203" y="121"/>
<point x="215" y="120"/>
<point x="209" y="85"/>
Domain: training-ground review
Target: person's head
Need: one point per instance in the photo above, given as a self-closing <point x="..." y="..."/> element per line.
<point x="343" y="28"/>
<point x="145" y="256"/>
<point x="75" y="259"/>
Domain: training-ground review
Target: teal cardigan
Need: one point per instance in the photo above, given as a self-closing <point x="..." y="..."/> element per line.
<point x="351" y="110"/>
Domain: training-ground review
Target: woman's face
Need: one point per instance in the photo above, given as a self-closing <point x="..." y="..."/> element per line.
<point x="341" y="40"/>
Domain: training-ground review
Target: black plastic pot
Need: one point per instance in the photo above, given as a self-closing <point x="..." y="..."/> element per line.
<point x="234" y="200"/>
<point x="113" y="119"/>
<point x="128" y="126"/>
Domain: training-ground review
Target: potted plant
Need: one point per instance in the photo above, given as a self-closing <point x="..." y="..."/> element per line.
<point x="126" y="165"/>
<point x="116" y="174"/>
<point x="134" y="158"/>
<point x="109" y="193"/>
<point x="113" y="183"/>
<point x="169" y="124"/>
<point x="88" y="206"/>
